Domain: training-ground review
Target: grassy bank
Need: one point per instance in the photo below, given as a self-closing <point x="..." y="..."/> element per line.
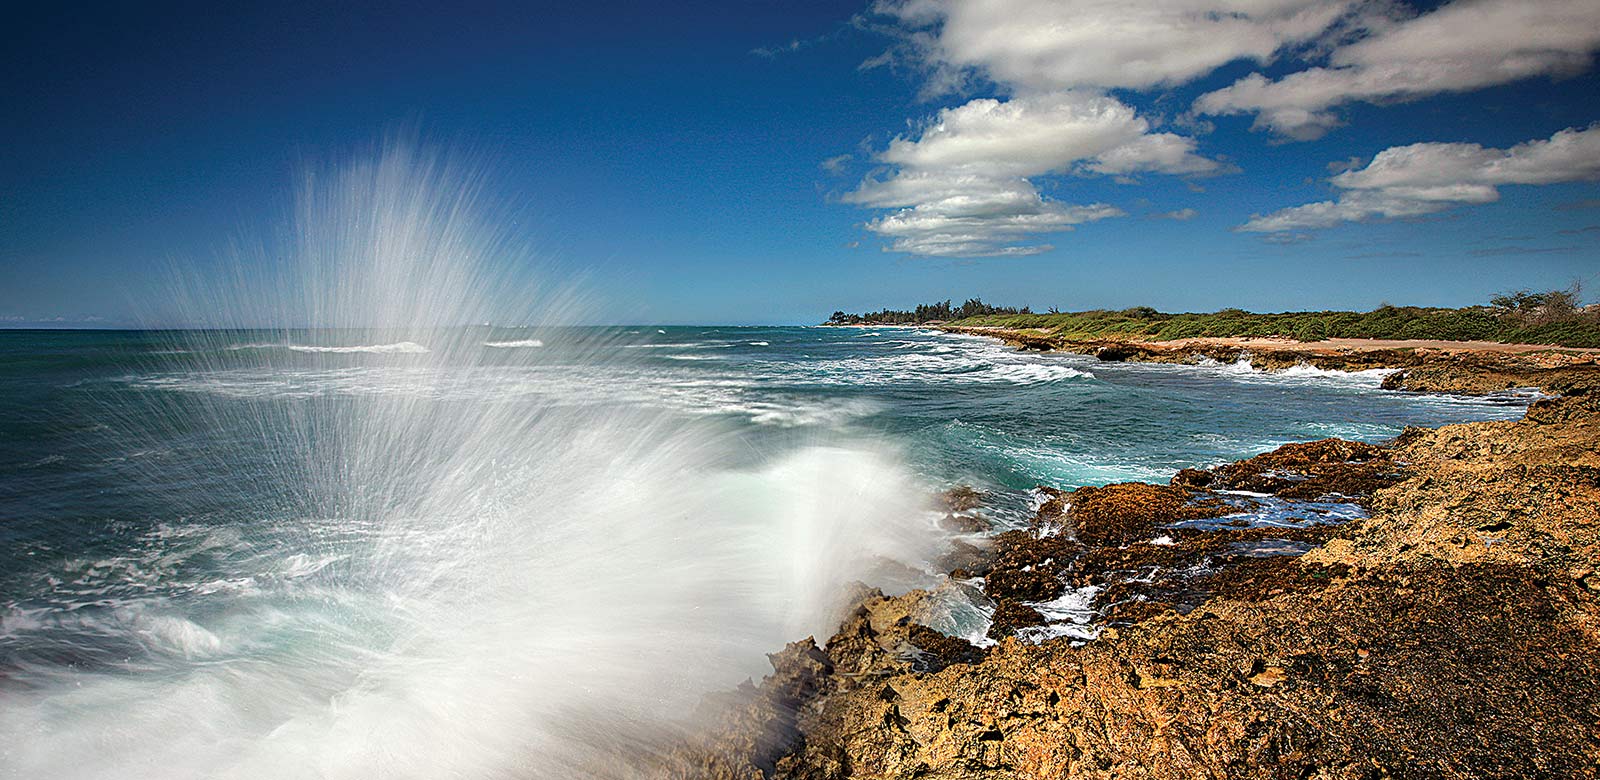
<point x="1387" y="322"/>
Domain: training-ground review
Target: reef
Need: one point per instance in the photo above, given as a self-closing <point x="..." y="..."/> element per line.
<point x="1449" y="629"/>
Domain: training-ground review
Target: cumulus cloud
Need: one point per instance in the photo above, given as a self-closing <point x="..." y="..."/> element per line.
<point x="962" y="185"/>
<point x="1465" y="45"/>
<point x="1427" y="178"/>
<point x="1181" y="215"/>
<point x="944" y="214"/>
<point x="1045" y="134"/>
<point x="1048" y="45"/>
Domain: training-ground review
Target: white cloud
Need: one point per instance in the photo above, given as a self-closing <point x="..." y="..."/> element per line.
<point x="944" y="214"/>
<point x="1466" y="45"/>
<point x="1045" y="45"/>
<point x="1181" y="215"/>
<point x="1045" y="134"/>
<point x="962" y="185"/>
<point x="1426" y="178"/>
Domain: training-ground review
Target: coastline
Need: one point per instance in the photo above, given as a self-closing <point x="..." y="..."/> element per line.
<point x="1467" y="367"/>
<point x="1453" y="631"/>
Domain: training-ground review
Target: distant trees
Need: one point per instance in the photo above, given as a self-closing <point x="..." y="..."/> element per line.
<point x="941" y="311"/>
<point x="1539" y="307"/>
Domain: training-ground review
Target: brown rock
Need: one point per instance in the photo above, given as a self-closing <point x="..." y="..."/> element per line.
<point x="1308" y="470"/>
<point x="1010" y="615"/>
<point x="940" y="650"/>
<point x="1132" y="511"/>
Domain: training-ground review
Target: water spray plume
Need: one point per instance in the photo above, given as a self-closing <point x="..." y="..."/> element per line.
<point x="455" y="574"/>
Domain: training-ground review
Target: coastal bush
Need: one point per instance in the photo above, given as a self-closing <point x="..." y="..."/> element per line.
<point x="1554" y="317"/>
<point x="1314" y="330"/>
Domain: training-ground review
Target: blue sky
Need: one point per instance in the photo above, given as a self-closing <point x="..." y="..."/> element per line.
<point x="693" y="162"/>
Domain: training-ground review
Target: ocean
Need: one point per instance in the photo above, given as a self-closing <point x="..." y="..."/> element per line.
<point x="468" y="552"/>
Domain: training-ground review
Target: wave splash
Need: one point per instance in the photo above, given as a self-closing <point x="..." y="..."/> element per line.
<point x="413" y="587"/>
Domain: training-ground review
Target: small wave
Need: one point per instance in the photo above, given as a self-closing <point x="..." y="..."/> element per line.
<point x="179" y="635"/>
<point x="1035" y="373"/>
<point x="1306" y="369"/>
<point x="300" y="564"/>
<point x="759" y="344"/>
<point x="1244" y="369"/>
<point x="682" y="345"/>
<point x="518" y="344"/>
<point x="1241" y="366"/>
<point x="398" y="348"/>
<point x="797" y="414"/>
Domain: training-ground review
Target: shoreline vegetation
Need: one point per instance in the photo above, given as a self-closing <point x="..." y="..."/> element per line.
<point x="1553" y="318"/>
<point x="1451" y="628"/>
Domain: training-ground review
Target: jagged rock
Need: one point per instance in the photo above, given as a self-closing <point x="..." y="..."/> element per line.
<point x="964" y="524"/>
<point x="941" y="650"/>
<point x="1132" y="511"/>
<point x="1564" y="409"/>
<point x="962" y="498"/>
<point x="1114" y="353"/>
<point x="971" y="560"/>
<point x="1010" y="615"/>
<point x="1037" y="584"/>
<point x="1308" y="470"/>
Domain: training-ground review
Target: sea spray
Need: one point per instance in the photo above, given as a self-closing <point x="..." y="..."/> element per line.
<point x="400" y="575"/>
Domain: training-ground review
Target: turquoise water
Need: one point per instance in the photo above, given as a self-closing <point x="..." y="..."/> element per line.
<point x="220" y="546"/>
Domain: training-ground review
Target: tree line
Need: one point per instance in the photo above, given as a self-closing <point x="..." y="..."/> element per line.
<point x="941" y="311"/>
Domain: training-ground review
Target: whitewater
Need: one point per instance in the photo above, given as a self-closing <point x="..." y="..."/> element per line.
<point x="343" y="532"/>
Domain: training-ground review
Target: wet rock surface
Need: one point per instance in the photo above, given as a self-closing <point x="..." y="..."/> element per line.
<point x="1308" y="471"/>
<point x="1454" y="632"/>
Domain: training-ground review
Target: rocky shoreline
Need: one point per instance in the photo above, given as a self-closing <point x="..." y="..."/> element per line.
<point x="1431" y="367"/>
<point x="1450" y="629"/>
